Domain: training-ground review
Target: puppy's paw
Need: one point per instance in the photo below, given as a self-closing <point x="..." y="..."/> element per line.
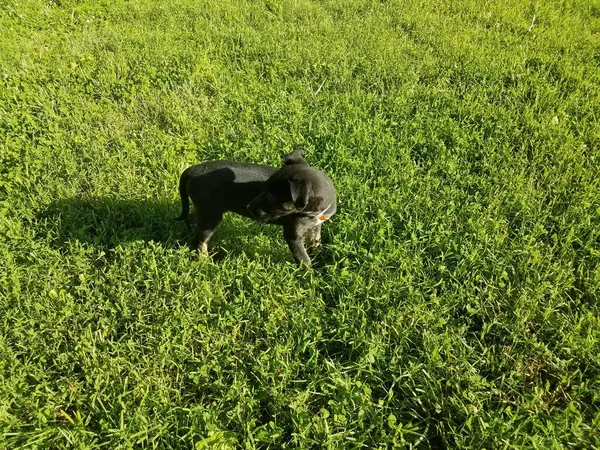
<point x="315" y="246"/>
<point x="306" y="264"/>
<point x="202" y="250"/>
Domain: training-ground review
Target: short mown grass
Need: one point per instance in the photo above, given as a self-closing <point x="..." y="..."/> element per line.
<point x="455" y="303"/>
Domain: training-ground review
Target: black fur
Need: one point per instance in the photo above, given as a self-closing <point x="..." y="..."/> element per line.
<point x="296" y="196"/>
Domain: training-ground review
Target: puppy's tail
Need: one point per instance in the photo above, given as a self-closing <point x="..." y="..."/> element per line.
<point x="185" y="201"/>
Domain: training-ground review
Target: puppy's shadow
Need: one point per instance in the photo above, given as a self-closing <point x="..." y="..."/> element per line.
<point x="110" y="221"/>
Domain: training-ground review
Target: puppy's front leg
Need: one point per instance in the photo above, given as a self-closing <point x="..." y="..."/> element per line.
<point x="294" y="236"/>
<point x="314" y="237"/>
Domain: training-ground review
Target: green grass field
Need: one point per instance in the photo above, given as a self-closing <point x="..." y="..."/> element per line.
<point x="456" y="303"/>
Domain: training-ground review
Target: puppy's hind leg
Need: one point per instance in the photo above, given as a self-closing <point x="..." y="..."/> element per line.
<point x="206" y="224"/>
<point x="189" y="222"/>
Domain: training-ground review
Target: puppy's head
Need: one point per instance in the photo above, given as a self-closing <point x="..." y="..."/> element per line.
<point x="287" y="191"/>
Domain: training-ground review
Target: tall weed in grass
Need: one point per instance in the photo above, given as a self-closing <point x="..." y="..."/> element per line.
<point x="456" y="301"/>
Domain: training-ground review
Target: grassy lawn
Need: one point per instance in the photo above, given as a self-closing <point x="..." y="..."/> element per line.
<point x="456" y="303"/>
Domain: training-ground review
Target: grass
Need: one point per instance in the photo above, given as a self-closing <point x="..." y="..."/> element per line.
<point x="456" y="301"/>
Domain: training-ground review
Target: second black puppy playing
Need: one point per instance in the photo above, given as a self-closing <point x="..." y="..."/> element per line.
<point x="296" y="196"/>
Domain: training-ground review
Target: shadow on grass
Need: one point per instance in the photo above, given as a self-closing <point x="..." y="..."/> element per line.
<point x="110" y="221"/>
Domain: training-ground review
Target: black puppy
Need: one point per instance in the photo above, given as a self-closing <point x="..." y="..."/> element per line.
<point x="297" y="196"/>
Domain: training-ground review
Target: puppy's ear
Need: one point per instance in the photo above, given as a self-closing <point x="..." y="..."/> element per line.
<point x="300" y="193"/>
<point x="296" y="157"/>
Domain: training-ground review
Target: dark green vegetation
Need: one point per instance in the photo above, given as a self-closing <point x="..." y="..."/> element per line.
<point x="456" y="303"/>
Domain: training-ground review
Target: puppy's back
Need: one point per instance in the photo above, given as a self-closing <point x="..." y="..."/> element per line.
<point x="215" y="173"/>
<point x="225" y="185"/>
